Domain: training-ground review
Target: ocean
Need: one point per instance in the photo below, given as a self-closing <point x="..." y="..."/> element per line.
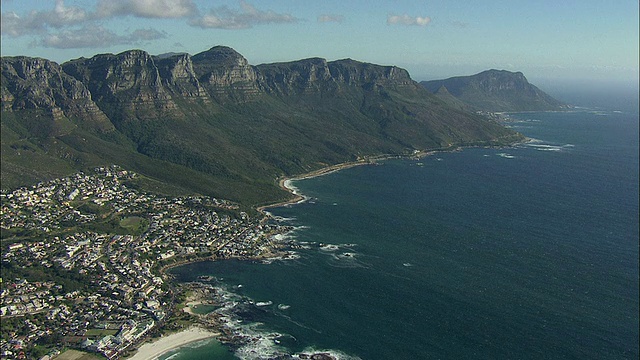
<point x="526" y="252"/>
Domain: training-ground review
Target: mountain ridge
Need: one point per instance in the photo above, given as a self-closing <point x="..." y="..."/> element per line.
<point x="494" y="90"/>
<point x="215" y="124"/>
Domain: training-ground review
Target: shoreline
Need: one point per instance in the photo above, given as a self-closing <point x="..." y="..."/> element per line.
<point x="158" y="347"/>
<point x="197" y="332"/>
<point x="298" y="198"/>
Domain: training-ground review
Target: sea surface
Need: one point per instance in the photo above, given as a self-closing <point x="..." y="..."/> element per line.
<point x="527" y="252"/>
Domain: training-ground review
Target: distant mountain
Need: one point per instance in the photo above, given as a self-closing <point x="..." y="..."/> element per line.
<point x="493" y="90"/>
<point x="213" y="124"/>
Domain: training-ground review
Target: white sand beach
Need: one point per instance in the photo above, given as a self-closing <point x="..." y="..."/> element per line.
<point x="153" y="350"/>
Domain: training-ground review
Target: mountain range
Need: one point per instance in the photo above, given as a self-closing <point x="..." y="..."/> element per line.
<point x="213" y="124"/>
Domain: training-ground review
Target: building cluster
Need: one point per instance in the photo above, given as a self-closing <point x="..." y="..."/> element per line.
<point x="82" y="259"/>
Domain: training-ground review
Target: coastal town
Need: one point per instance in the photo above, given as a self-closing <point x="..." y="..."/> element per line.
<point x="84" y="260"/>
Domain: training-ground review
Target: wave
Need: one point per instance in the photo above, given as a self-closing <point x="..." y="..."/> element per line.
<point x="172" y="356"/>
<point x="251" y="340"/>
<point x="540" y="145"/>
<point x="328" y="354"/>
<point x="329" y="247"/>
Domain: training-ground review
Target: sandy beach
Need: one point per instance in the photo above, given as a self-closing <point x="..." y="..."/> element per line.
<point x="153" y="350"/>
<point x="285" y="182"/>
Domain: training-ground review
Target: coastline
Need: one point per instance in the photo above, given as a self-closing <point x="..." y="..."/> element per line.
<point x="155" y="349"/>
<point x="197" y="332"/>
<point x="284" y="182"/>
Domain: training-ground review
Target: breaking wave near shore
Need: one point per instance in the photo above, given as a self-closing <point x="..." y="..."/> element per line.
<point x="252" y="340"/>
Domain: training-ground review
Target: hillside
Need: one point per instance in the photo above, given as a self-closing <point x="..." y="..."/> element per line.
<point x="213" y="124"/>
<point x="493" y="90"/>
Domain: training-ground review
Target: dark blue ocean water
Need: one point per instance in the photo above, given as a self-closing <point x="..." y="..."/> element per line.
<point x="528" y="252"/>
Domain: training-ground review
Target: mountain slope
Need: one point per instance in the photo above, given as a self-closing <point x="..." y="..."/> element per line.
<point x="212" y="123"/>
<point x="494" y="90"/>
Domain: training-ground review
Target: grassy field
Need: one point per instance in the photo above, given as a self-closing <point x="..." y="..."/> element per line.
<point x="77" y="355"/>
<point x="135" y="224"/>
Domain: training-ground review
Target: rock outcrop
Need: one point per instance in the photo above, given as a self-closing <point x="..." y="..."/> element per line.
<point x="226" y="74"/>
<point x="40" y="84"/>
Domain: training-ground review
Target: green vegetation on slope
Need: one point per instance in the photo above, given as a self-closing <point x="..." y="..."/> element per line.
<point x="213" y="124"/>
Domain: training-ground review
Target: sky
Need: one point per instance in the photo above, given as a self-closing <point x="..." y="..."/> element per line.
<point x="569" y="40"/>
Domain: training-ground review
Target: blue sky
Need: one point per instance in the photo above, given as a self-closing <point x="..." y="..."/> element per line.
<point x="546" y="40"/>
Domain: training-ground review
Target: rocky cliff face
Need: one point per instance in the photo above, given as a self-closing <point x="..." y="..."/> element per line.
<point x="40" y="84"/>
<point x="179" y="77"/>
<point x="297" y="77"/>
<point x="135" y="84"/>
<point x="226" y="74"/>
<point x="496" y="90"/>
<point x="125" y="86"/>
<point x="316" y="75"/>
<point x="352" y="72"/>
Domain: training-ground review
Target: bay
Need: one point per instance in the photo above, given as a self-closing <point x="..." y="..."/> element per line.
<point x="526" y="252"/>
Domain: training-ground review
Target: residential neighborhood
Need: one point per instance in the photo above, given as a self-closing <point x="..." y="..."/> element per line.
<point x="84" y="259"/>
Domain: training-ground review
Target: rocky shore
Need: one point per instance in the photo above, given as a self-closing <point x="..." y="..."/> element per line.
<point x="226" y="323"/>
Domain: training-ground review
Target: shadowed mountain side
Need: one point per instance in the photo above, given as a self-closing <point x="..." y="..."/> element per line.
<point x="213" y="124"/>
<point x="493" y="90"/>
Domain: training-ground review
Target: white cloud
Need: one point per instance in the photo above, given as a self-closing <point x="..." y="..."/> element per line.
<point x="62" y="16"/>
<point x="163" y="9"/>
<point x="330" y="18"/>
<point x="96" y="37"/>
<point x="79" y="28"/>
<point x="68" y="27"/>
<point x="408" y="20"/>
<point x="38" y="21"/>
<point x="246" y="17"/>
<point x="13" y="25"/>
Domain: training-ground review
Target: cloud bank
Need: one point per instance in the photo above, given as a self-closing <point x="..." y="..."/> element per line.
<point x="408" y="20"/>
<point x="159" y="9"/>
<point x="87" y="37"/>
<point x="67" y="27"/>
<point x="248" y="16"/>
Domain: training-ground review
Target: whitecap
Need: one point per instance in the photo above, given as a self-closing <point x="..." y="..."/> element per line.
<point x="336" y="354"/>
<point x="538" y="145"/>
<point x="283" y="306"/>
<point x="329" y="247"/>
<point x="506" y="156"/>
<point x="282" y="218"/>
